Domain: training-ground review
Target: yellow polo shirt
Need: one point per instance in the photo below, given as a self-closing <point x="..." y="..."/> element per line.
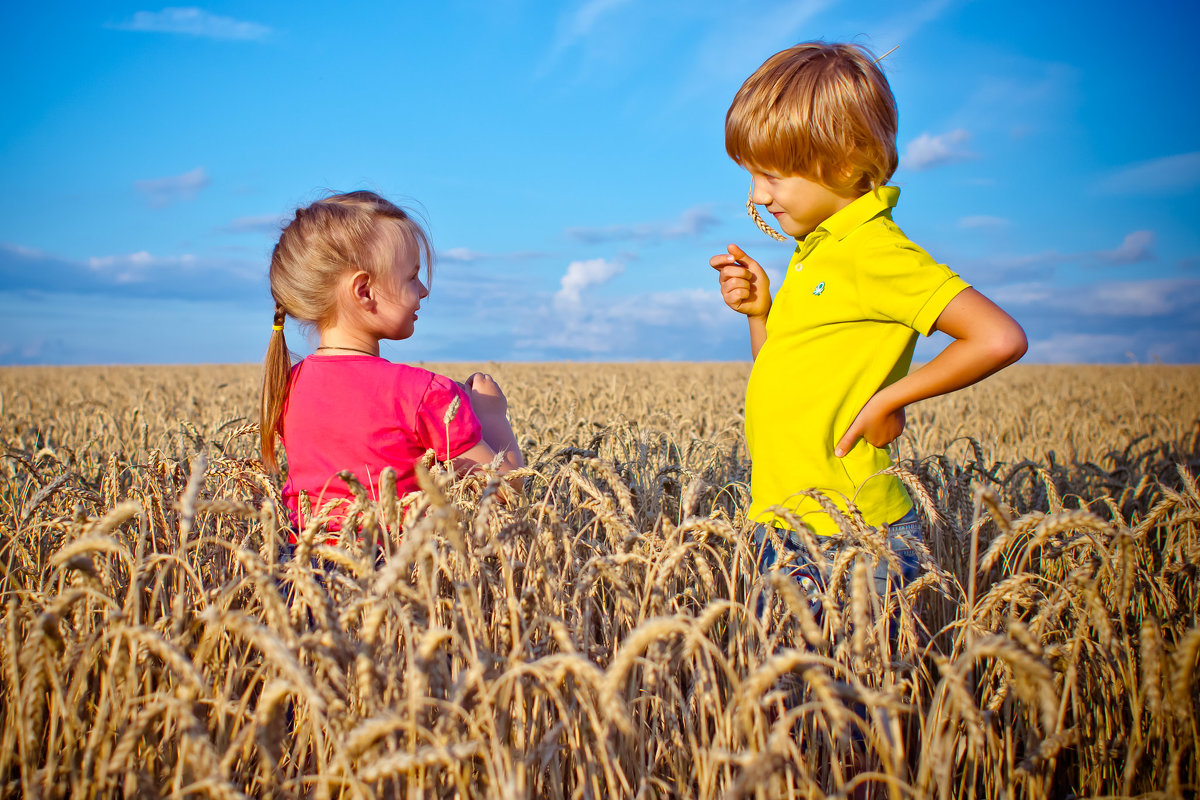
<point x="842" y="326"/>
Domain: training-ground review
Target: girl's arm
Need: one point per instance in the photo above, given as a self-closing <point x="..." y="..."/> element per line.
<point x="490" y="406"/>
<point x="986" y="340"/>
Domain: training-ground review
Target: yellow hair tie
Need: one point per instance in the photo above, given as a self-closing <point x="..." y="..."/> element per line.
<point x="276" y="327"/>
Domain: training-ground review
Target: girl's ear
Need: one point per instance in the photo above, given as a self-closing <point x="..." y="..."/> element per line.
<point x="362" y="290"/>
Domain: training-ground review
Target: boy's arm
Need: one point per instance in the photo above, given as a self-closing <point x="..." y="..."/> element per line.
<point x="746" y="289"/>
<point x="986" y="340"/>
<point x="758" y="334"/>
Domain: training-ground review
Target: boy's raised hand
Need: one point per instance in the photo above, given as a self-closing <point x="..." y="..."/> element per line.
<point x="744" y="285"/>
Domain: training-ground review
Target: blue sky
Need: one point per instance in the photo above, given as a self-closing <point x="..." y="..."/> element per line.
<point x="569" y="159"/>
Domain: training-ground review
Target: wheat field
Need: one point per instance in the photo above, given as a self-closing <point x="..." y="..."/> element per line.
<point x="605" y="631"/>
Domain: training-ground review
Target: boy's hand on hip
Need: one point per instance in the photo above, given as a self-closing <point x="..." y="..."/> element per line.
<point x="744" y="285"/>
<point x="876" y="423"/>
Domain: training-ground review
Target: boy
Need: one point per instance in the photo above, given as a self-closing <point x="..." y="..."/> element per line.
<point x="815" y="126"/>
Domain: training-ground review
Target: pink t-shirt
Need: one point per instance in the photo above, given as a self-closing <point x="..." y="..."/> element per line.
<point x="361" y="413"/>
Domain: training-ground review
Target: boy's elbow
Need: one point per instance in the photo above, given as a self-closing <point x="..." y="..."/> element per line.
<point x="1009" y="345"/>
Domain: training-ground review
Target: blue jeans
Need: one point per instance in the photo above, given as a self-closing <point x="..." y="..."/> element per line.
<point x="812" y="581"/>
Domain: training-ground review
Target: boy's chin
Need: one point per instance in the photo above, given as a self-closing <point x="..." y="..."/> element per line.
<point x="793" y="229"/>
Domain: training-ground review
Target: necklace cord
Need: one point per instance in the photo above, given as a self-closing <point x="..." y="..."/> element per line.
<point x="351" y="349"/>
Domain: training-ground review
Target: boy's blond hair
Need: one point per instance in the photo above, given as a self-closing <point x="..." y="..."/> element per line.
<point x="820" y="110"/>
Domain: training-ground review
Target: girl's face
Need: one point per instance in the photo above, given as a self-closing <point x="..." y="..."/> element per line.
<point x="399" y="294"/>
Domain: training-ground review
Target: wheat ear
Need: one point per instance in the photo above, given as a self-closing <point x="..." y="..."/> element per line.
<point x="762" y="226"/>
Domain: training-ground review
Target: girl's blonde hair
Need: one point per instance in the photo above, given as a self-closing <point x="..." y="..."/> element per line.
<point x="339" y="234"/>
<point x="819" y="110"/>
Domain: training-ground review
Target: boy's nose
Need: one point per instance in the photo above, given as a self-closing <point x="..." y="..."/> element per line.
<point x="758" y="191"/>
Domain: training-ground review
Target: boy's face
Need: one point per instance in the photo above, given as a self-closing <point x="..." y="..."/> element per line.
<point x="799" y="204"/>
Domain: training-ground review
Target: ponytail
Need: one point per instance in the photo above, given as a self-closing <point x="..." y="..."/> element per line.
<point x="276" y="368"/>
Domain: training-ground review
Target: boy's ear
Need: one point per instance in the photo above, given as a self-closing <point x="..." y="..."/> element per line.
<point x="852" y="180"/>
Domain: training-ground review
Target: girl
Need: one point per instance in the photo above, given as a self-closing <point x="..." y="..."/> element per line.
<point x="350" y="267"/>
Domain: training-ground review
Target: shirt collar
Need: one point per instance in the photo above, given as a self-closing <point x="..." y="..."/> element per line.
<point x="860" y="211"/>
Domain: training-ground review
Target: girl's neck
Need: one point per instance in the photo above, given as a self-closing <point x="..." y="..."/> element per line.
<point x="335" y="350"/>
<point x="347" y="339"/>
<point x="351" y="333"/>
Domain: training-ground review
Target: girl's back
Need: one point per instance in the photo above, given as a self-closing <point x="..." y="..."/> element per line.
<point x="361" y="413"/>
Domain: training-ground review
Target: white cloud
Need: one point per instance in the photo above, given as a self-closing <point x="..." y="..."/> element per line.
<point x="1022" y="294"/>
<point x="1115" y="299"/>
<point x="1107" y="321"/>
<point x="1018" y="97"/>
<point x="1147" y="298"/>
<point x="736" y="44"/>
<point x="271" y="223"/>
<point x="983" y="221"/>
<point x="134" y="266"/>
<point x="137" y="274"/>
<point x="1080" y="348"/>
<point x="691" y="324"/>
<point x="162" y="192"/>
<point x="23" y="251"/>
<point x="463" y="254"/>
<point x="1013" y="266"/>
<point x="1137" y="246"/>
<point x="582" y="274"/>
<point x="692" y="222"/>
<point x="928" y="151"/>
<point x="669" y="308"/>
<point x="1171" y="175"/>
<point x="584" y="19"/>
<point x="577" y="26"/>
<point x="192" y="21"/>
<point x="902" y="27"/>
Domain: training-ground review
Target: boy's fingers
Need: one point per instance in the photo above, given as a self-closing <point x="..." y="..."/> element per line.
<point x="733" y="255"/>
<point x="734" y="278"/>
<point x="736" y="272"/>
<point x="847" y="441"/>
<point x="740" y="256"/>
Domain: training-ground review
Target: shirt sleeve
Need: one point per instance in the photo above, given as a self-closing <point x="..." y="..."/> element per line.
<point x="901" y="282"/>
<point x="445" y="420"/>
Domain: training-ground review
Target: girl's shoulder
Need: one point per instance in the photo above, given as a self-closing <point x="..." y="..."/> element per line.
<point x="335" y="367"/>
<point x="382" y="376"/>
